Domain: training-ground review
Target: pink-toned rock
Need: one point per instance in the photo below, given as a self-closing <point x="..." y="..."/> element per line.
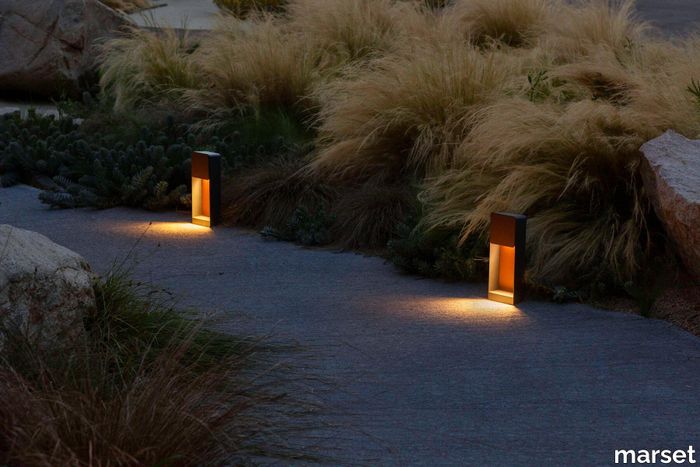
<point x="48" y="47"/>
<point x="45" y="290"/>
<point x="671" y="173"/>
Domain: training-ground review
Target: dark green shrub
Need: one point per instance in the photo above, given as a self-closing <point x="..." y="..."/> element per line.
<point x="111" y="160"/>
<point x="437" y="253"/>
<point x="254" y="139"/>
<point x="77" y="169"/>
<point x="368" y="216"/>
<point x="269" y="195"/>
<point x="309" y="227"/>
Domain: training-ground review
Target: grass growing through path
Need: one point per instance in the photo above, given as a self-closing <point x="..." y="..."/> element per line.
<point x="145" y="387"/>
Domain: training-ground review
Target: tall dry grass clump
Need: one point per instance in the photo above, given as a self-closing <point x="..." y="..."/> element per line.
<point x="666" y="74"/>
<point x="346" y="31"/>
<point x="406" y="115"/>
<point x="579" y="28"/>
<point x="515" y="23"/>
<point x="368" y="216"/>
<point x="147" y="68"/>
<point x="56" y="421"/>
<point x="251" y="66"/>
<point x="574" y="169"/>
<point x="269" y="195"/>
<point x="145" y="386"/>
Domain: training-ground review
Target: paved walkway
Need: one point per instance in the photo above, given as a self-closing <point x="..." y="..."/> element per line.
<point x="671" y="16"/>
<point x="193" y="14"/>
<point x="426" y="373"/>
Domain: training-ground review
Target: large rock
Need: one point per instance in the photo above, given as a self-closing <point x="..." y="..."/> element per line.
<point x="671" y="173"/>
<point x="47" y="47"/>
<point x="45" y="290"/>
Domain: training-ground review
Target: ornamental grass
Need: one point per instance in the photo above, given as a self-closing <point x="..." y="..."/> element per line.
<point x="535" y="106"/>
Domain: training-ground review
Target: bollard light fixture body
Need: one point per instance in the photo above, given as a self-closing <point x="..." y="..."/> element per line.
<point x="206" y="188"/>
<point x="506" y="257"/>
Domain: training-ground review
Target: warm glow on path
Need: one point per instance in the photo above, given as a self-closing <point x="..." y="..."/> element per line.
<point x="479" y="310"/>
<point x="165" y="229"/>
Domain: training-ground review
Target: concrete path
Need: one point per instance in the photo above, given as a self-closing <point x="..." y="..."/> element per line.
<point x="426" y="373"/>
<point x="193" y="14"/>
<point x="671" y="16"/>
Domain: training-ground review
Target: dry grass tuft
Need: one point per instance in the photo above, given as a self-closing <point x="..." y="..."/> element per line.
<point x="581" y="28"/>
<point x="574" y="170"/>
<point x="254" y="66"/>
<point x="368" y="216"/>
<point x="408" y="113"/>
<point x="145" y="387"/>
<point x="515" y="23"/>
<point x="601" y="77"/>
<point x="144" y="68"/>
<point x="58" y="422"/>
<point x="269" y="195"/>
<point x="344" y="30"/>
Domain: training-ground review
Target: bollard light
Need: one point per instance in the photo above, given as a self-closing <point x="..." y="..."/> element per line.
<point x="206" y="188"/>
<point x="507" y="257"/>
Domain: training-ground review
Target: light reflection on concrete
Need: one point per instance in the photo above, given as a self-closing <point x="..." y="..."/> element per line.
<point x="463" y="309"/>
<point x="159" y="229"/>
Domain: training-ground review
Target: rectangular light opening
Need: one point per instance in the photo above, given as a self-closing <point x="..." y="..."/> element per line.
<point x="201" y="208"/>
<point x="502" y="273"/>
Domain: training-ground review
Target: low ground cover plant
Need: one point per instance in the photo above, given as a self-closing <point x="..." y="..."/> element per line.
<point x="120" y="160"/>
<point x="146" y="386"/>
<point x="434" y="114"/>
<point x="77" y="168"/>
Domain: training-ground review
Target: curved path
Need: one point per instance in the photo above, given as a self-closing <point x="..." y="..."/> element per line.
<point x="426" y="373"/>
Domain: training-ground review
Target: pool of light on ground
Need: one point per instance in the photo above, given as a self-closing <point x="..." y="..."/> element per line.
<point x="164" y="229"/>
<point x="460" y="309"/>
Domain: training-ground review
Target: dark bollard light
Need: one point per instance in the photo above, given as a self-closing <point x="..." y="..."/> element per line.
<point x="507" y="257"/>
<point x="206" y="188"/>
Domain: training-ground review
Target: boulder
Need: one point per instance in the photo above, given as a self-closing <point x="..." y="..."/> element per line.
<point x="48" y="47"/>
<point x="671" y="174"/>
<point x="45" y="290"/>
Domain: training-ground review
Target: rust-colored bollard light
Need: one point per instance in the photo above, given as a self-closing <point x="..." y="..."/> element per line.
<point x="206" y="188"/>
<point x="507" y="257"/>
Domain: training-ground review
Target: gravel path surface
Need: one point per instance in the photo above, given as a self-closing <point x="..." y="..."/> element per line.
<point x="424" y="372"/>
